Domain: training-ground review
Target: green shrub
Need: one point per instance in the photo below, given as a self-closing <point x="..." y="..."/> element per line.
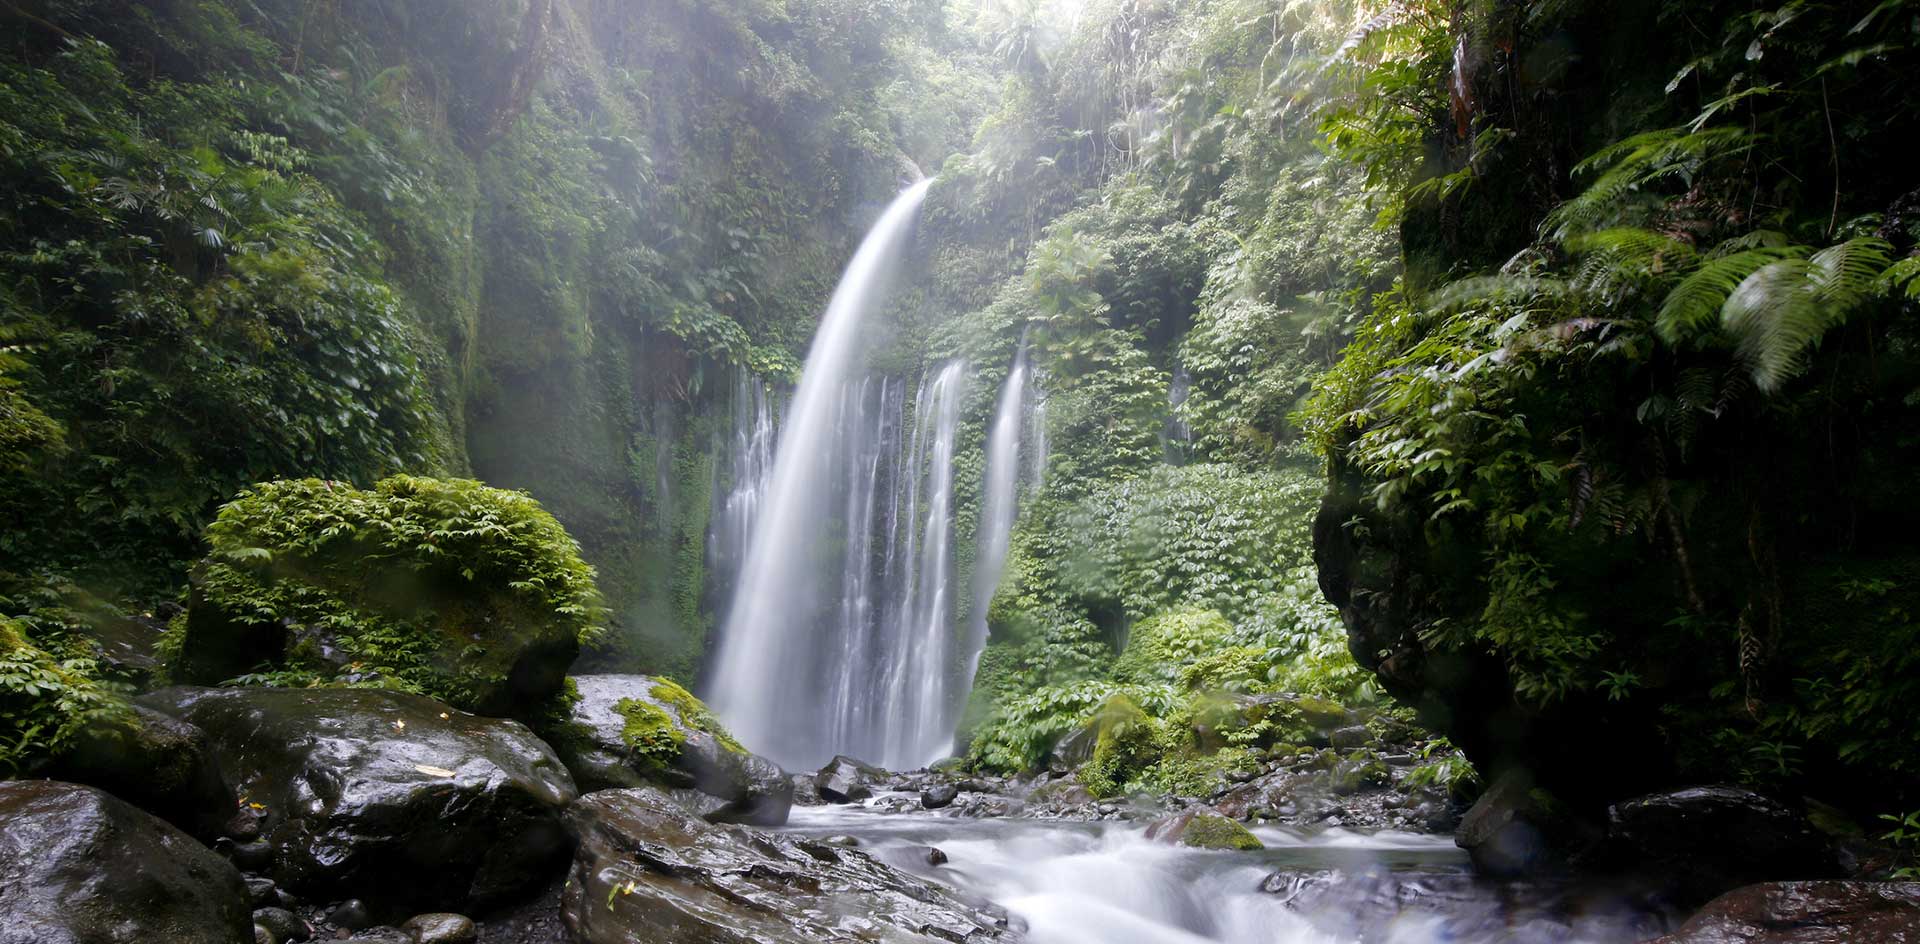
<point x="46" y="698"/>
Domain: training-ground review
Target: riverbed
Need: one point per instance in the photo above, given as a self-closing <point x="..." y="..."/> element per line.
<point x="1106" y="883"/>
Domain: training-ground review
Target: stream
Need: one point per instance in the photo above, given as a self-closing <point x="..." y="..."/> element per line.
<point x="1106" y="883"/>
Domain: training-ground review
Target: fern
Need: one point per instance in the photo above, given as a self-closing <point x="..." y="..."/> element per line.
<point x="1695" y="304"/>
<point x="1781" y="310"/>
<point x="1631" y="164"/>
<point x="1902" y="277"/>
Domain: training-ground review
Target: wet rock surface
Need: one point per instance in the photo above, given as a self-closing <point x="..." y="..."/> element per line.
<point x="722" y="784"/>
<point x="1706" y="840"/>
<point x="646" y="870"/>
<point x="1807" y="913"/>
<point x="158" y="763"/>
<point x="845" y="780"/>
<point x="78" y="866"/>
<point x="393" y="798"/>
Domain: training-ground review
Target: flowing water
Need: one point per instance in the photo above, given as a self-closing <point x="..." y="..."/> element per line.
<point x="998" y="503"/>
<point x="1105" y="883"/>
<point x="840" y="634"/>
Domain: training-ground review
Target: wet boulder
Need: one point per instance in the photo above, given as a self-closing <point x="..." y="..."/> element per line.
<point x="161" y="764"/>
<point x="389" y="797"/>
<point x="1807" y="913"/>
<point x="938" y="795"/>
<point x="1514" y="829"/>
<point x="1202" y="829"/>
<point x="78" y="866"/>
<point x="637" y="730"/>
<point x="845" y="780"/>
<point x="646" y="870"/>
<point x="1714" y="838"/>
<point x="1073" y="749"/>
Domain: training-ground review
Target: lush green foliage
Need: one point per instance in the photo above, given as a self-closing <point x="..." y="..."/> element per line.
<point x="427" y="585"/>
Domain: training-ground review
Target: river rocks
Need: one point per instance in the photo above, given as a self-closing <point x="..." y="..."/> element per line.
<point x="78" y="866"/>
<point x="938" y="795"/>
<point x="1202" y="829"/>
<point x="284" y="925"/>
<point x="646" y="870"/>
<point x="1807" y="913"/>
<point x="441" y="928"/>
<point x="158" y="763"/>
<point x="845" y="780"/>
<point x="390" y="797"/>
<point x="635" y="730"/>
<point x="1710" y="839"/>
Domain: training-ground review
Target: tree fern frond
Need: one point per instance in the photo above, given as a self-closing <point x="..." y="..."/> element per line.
<point x="1775" y="315"/>
<point x="1613" y="260"/>
<point x="1845" y="274"/>
<point x="1634" y="162"/>
<point x="1502" y="287"/>
<point x="1696" y="302"/>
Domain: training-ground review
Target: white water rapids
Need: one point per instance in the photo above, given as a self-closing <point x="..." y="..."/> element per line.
<point x="1105" y="883"/>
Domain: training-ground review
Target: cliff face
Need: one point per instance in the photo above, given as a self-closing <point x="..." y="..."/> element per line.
<point x="1649" y="563"/>
<point x="576" y="222"/>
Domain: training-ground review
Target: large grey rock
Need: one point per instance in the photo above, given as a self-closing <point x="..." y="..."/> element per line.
<point x="1513" y="830"/>
<point x="393" y="798"/>
<point x="845" y="780"/>
<point x="646" y="870"/>
<point x="711" y="774"/>
<point x="1073" y="749"/>
<point x="1808" y="913"/>
<point x="1715" y="838"/>
<point x="78" y="866"/>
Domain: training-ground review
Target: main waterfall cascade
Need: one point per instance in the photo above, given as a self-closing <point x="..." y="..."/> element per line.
<point x="842" y="634"/>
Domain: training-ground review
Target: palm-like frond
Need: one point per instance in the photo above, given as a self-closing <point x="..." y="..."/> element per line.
<point x="1614" y="261"/>
<point x="1782" y="309"/>
<point x="1695" y="304"/>
<point x="1629" y="165"/>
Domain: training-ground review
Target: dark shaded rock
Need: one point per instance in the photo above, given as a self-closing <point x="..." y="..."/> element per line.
<point x="1202" y="829"/>
<point x="938" y="795"/>
<point x="913" y="857"/>
<point x="261" y="891"/>
<point x="1073" y="749"/>
<point x="284" y="925"/>
<point x="442" y="928"/>
<point x="390" y="797"/>
<point x="1514" y="830"/>
<point x="845" y="780"/>
<point x="1715" y="838"/>
<point x="645" y="870"/>
<point x="1350" y="737"/>
<point x="263" y="936"/>
<point x="804" y="792"/>
<point x="78" y="866"/>
<point x="1807" y="913"/>
<point x="160" y="764"/>
<point x="351" y="914"/>
<point x="253" y="856"/>
<point x="742" y="787"/>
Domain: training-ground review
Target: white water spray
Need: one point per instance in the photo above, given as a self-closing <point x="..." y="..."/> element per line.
<point x="770" y="661"/>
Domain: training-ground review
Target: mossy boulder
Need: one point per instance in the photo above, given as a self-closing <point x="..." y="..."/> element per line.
<point x="443" y="587"/>
<point x="1203" y="829"/>
<point x="641" y="730"/>
<point x="1124" y="742"/>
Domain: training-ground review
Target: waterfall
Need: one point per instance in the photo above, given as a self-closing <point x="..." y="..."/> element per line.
<point x="997" y="502"/>
<point x="748" y="456"/>
<point x="790" y="676"/>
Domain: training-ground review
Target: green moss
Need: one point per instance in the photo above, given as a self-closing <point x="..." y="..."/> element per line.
<point x="694" y="713"/>
<point x="1125" y="741"/>
<point x="649" y="731"/>
<point x="1213" y="831"/>
<point x="442" y="587"/>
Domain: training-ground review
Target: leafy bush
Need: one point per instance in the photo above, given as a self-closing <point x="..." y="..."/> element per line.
<point x="48" y="695"/>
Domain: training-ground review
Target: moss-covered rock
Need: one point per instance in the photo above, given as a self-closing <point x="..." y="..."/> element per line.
<point x="641" y="730"/>
<point x="445" y="587"/>
<point x="1124" y="743"/>
<point x="1203" y="829"/>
